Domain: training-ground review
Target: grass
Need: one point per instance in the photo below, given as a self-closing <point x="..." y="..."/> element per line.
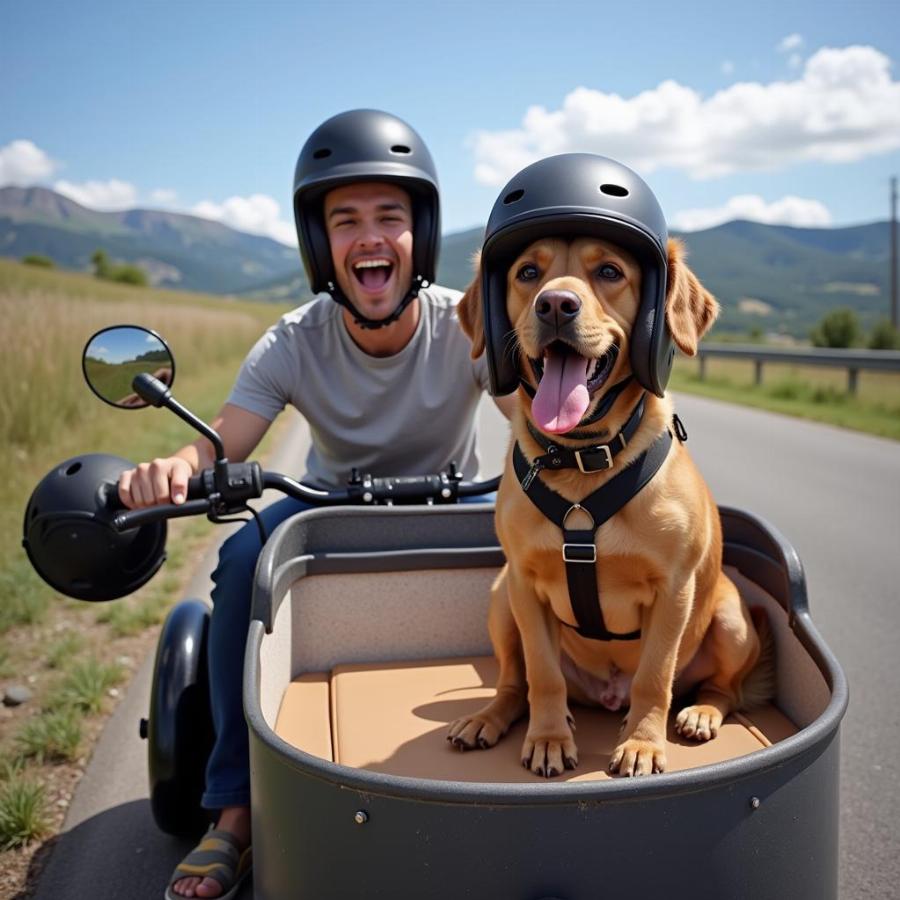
<point x="65" y="648"/>
<point x="85" y="686"/>
<point x="23" y="597"/>
<point x="23" y="812"/>
<point x="54" y="736"/>
<point x="47" y="413"/>
<point x="71" y="654"/>
<point x="808" y="392"/>
<point x="132" y="615"/>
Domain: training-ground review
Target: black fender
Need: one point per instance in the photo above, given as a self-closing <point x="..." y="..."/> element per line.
<point x="179" y="729"/>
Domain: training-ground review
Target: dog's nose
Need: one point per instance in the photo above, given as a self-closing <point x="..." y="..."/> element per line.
<point x="557" y="307"/>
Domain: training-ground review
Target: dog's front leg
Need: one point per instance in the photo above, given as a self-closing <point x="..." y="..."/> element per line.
<point x="549" y="746"/>
<point x="484" y="728"/>
<point x="642" y="749"/>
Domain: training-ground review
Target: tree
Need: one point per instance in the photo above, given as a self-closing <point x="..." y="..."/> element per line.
<point x="101" y="264"/>
<point x="840" y="328"/>
<point x="884" y="336"/>
<point x="126" y="274"/>
<point x="129" y="274"/>
<point x="38" y="259"/>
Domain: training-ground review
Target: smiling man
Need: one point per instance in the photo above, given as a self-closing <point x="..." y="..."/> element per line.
<point x="380" y="369"/>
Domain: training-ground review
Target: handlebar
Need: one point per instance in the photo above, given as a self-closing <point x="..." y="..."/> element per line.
<point x="225" y="490"/>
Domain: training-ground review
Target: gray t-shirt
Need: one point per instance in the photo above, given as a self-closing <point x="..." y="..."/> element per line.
<point x="407" y="414"/>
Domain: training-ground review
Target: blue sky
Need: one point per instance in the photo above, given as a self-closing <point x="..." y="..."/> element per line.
<point x="792" y="108"/>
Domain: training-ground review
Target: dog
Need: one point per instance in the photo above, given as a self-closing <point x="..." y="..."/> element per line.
<point x="658" y="571"/>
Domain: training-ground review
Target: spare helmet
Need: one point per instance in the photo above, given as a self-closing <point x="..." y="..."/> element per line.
<point x="571" y="195"/>
<point x="365" y="145"/>
<point x="69" y="537"/>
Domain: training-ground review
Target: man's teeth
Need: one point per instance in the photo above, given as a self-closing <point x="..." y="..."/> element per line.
<point x="371" y="264"/>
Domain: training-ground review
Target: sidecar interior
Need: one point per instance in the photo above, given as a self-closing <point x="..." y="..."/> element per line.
<point x="375" y="640"/>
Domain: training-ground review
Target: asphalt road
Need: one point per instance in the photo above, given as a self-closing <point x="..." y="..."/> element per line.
<point x="835" y="495"/>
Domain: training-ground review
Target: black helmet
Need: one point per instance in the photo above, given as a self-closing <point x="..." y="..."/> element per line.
<point x="364" y="145"/>
<point x="69" y="539"/>
<point x="579" y="194"/>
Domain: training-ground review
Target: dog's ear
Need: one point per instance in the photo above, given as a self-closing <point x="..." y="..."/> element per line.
<point x="690" y="308"/>
<point x="469" y="312"/>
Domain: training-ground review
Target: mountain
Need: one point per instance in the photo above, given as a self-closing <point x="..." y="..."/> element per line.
<point x="176" y="250"/>
<point x="770" y="277"/>
<point x="780" y="278"/>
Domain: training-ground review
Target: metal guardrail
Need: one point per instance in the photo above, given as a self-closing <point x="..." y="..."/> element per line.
<point x="851" y="360"/>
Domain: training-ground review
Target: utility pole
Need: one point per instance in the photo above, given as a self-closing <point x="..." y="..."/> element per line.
<point x="895" y="313"/>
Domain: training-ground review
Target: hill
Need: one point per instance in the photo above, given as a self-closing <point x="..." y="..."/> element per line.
<point x="176" y="250"/>
<point x="769" y="277"/>
<point x="772" y="277"/>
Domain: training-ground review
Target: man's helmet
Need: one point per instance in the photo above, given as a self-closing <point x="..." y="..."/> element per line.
<point x="365" y="145"/>
<point x="69" y="537"/>
<point x="578" y="194"/>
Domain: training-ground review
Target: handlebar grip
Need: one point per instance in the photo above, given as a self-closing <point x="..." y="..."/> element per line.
<point x="197" y="487"/>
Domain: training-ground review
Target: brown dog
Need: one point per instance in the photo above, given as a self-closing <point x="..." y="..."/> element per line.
<point x="658" y="559"/>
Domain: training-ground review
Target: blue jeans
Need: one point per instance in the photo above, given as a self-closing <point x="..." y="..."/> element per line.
<point x="228" y="769"/>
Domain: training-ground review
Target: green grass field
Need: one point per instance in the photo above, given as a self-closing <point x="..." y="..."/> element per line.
<point x="66" y="650"/>
<point x="808" y="392"/>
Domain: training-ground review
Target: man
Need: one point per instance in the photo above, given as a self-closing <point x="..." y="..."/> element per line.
<point x="381" y="372"/>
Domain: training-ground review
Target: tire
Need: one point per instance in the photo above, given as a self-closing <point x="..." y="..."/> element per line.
<point x="179" y="729"/>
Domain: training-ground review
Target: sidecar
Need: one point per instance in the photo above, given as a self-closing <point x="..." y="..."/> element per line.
<point x="369" y="636"/>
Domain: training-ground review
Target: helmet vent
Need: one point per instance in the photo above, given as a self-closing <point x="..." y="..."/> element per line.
<point x="73" y="468"/>
<point x="400" y="148"/>
<point x="614" y="190"/>
<point x="513" y="197"/>
<point x="323" y="153"/>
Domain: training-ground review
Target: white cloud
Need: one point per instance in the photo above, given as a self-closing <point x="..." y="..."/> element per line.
<point x="790" y="210"/>
<point x="791" y="42"/>
<point x="844" y="107"/>
<point x="163" y="196"/>
<point x="257" y="214"/>
<point x="107" y="195"/>
<point x="23" y="163"/>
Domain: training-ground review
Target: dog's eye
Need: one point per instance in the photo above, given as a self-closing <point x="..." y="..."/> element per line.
<point x="609" y="272"/>
<point x="528" y="272"/>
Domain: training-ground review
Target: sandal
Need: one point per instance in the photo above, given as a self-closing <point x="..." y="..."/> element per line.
<point x="217" y="856"/>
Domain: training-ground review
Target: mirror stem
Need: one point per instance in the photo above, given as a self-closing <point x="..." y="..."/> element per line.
<point x="157" y="394"/>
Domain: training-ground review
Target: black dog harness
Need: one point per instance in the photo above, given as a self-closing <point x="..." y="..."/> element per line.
<point x="579" y="551"/>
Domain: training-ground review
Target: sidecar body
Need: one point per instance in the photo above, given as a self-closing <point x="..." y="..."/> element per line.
<point x="369" y="636"/>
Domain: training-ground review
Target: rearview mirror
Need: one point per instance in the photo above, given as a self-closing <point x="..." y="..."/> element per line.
<point x="114" y="356"/>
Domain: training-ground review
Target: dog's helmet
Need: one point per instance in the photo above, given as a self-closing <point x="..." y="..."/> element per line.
<point x="578" y="194"/>
<point x="69" y="537"/>
<point x="364" y="145"/>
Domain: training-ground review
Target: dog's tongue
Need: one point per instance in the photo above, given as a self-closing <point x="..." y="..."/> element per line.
<point x="562" y="395"/>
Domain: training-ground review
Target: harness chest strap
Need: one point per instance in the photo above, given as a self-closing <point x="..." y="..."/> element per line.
<point x="579" y="549"/>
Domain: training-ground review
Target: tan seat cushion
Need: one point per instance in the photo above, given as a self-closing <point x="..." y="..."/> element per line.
<point x="304" y="719"/>
<point x="393" y="718"/>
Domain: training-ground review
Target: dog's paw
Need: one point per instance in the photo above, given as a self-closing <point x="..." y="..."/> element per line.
<point x="549" y="755"/>
<point x="699" y="723"/>
<point x="637" y="757"/>
<point x="476" y="732"/>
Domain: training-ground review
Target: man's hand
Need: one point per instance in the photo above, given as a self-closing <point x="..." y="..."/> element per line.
<point x="153" y="483"/>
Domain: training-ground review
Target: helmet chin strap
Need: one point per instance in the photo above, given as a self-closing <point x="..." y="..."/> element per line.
<point x="371" y="324"/>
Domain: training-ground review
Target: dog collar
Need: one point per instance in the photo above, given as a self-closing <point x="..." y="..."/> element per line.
<point x="594" y="458"/>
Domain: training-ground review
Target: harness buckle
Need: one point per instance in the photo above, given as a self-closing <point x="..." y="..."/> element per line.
<point x="588" y="467"/>
<point x="579" y="553"/>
